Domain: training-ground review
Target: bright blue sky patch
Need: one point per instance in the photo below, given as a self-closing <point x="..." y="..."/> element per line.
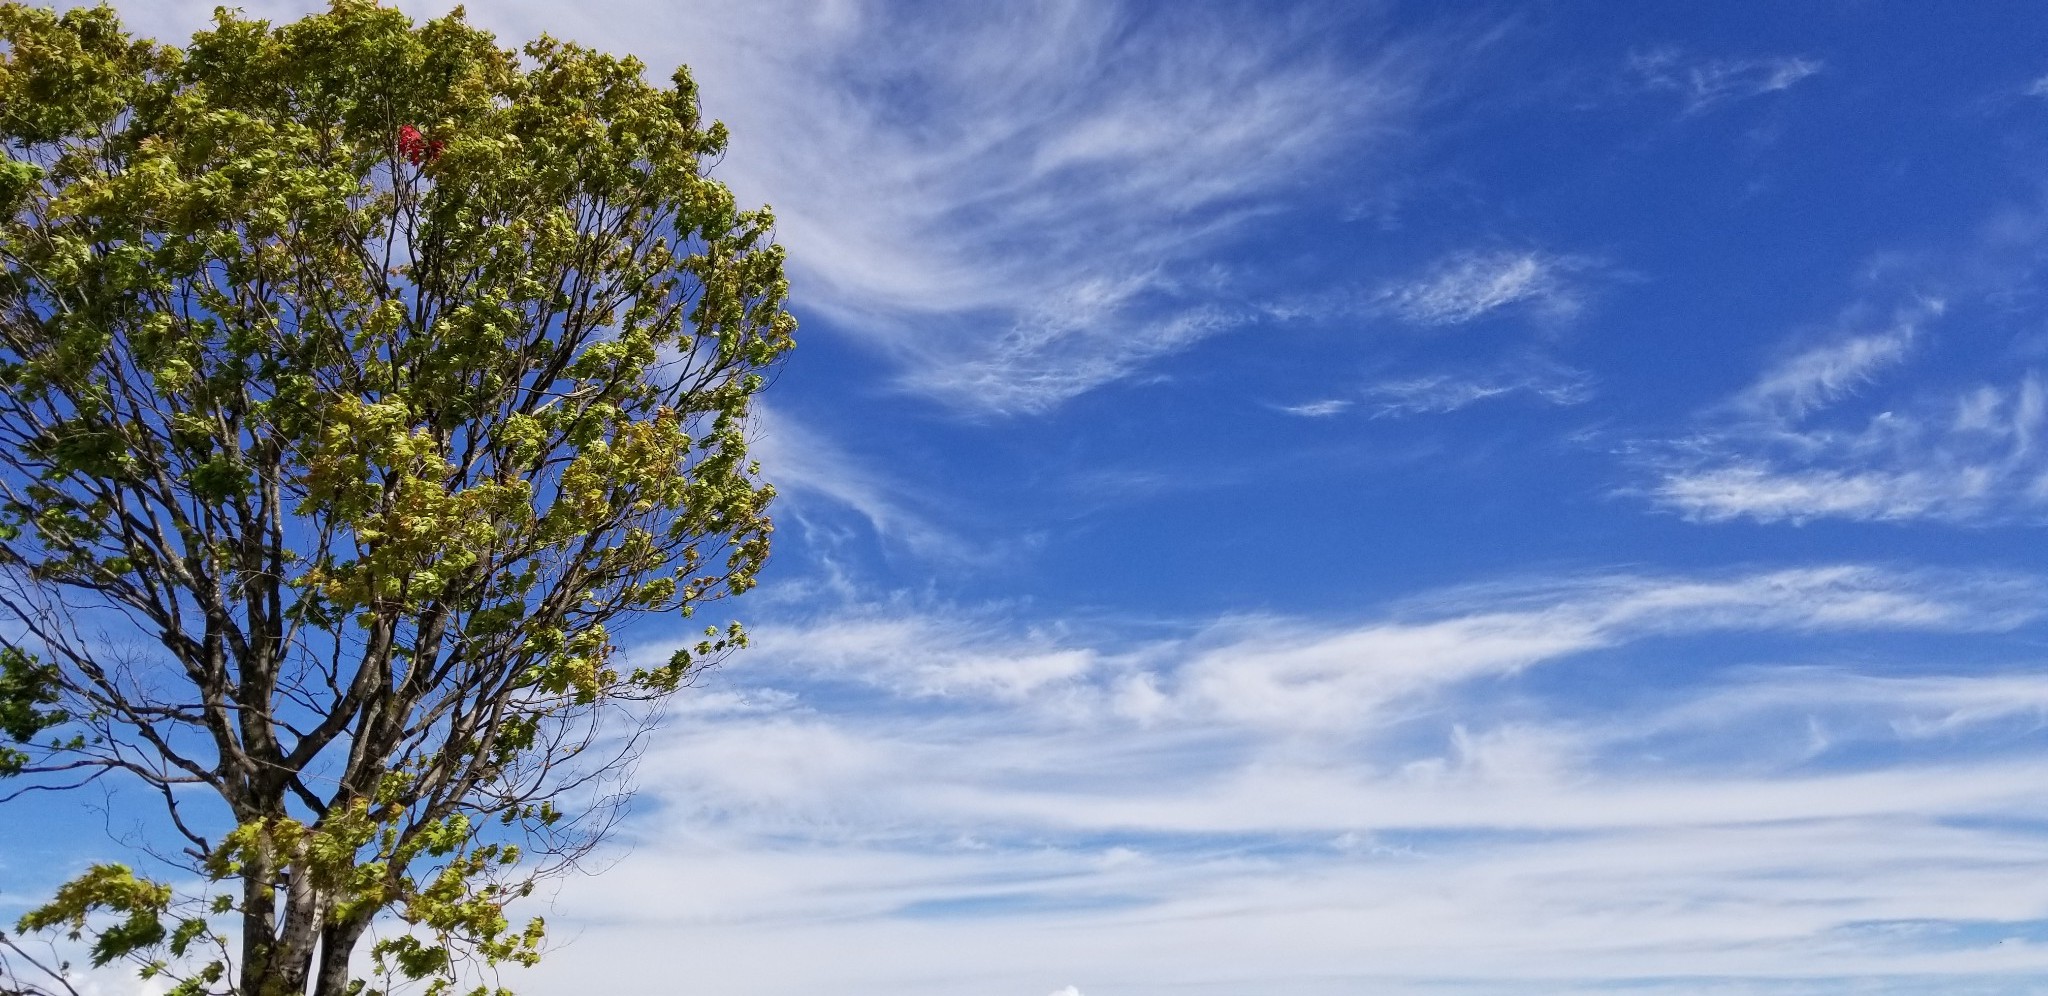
<point x="1331" y="498"/>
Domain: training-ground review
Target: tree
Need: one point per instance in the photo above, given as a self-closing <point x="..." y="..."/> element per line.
<point x="358" y="379"/>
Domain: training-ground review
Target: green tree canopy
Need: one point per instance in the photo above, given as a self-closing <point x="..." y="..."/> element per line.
<point x="358" y="379"/>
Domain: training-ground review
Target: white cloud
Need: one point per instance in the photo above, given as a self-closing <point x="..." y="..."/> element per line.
<point x="1768" y="494"/>
<point x="1293" y="674"/>
<point x="1572" y="913"/>
<point x="1318" y="409"/>
<point x="1966" y="458"/>
<point x="1701" y="83"/>
<point x="808" y="469"/>
<point x="1442" y="392"/>
<point x="1287" y="675"/>
<point x="1845" y="708"/>
<point x="941" y="836"/>
<point x="1439" y="393"/>
<point x="1469" y="285"/>
<point x="1784" y="449"/>
<point x="1825" y="373"/>
<point x="917" y="655"/>
<point x="1004" y="198"/>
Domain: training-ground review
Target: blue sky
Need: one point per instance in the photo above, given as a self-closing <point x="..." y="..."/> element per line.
<point x="1297" y="499"/>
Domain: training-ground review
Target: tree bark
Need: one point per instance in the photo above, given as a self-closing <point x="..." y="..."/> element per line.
<point x="337" y="945"/>
<point x="258" y="926"/>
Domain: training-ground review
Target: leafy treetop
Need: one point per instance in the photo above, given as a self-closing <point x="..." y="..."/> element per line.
<point x="358" y="379"/>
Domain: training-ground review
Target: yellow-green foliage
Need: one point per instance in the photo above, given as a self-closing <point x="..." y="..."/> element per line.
<point x="378" y="369"/>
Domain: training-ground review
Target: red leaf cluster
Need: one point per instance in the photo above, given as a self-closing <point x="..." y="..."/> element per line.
<point x="416" y="147"/>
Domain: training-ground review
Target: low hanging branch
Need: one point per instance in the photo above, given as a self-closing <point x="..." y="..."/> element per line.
<point x="358" y="378"/>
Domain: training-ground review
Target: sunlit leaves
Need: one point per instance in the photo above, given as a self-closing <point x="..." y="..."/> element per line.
<point x="380" y="369"/>
<point x="139" y="903"/>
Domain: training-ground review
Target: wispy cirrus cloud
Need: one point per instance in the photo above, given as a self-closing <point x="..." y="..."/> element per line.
<point x="1439" y="393"/>
<point x="1009" y="199"/>
<point x="1470" y="285"/>
<point x="809" y="468"/>
<point x="1783" y="450"/>
<point x="1813" y="709"/>
<point x="1458" y="289"/>
<point x="1323" y="806"/>
<point x="1282" y="672"/>
<point x="1317" y="409"/>
<point x="1702" y="83"/>
<point x="1819" y="375"/>
<point x="916" y="655"/>
<point x="1298" y="674"/>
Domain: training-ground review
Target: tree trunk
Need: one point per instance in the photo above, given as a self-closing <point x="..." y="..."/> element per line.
<point x="291" y="957"/>
<point x="259" y="904"/>
<point x="279" y="944"/>
<point x="337" y="944"/>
